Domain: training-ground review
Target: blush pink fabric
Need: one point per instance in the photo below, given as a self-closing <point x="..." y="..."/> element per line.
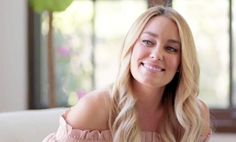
<point x="66" y="133"/>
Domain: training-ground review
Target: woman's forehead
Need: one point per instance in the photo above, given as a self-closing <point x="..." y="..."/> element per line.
<point x="161" y="26"/>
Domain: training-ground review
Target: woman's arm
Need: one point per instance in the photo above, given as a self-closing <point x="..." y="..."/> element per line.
<point x="205" y="113"/>
<point x="90" y="113"/>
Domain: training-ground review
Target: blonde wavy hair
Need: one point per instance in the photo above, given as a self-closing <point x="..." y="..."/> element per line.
<point x="182" y="123"/>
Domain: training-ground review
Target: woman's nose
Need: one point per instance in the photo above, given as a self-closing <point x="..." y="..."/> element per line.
<point x="157" y="53"/>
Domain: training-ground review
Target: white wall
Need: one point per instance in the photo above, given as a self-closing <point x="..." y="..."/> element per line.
<point x="13" y="55"/>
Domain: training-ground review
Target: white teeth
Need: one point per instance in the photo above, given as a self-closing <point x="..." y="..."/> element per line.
<point x="153" y="68"/>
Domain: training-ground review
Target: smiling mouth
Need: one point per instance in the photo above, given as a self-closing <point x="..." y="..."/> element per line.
<point x="152" y="68"/>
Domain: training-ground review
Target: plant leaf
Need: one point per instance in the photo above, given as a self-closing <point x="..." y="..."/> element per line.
<point x="49" y="5"/>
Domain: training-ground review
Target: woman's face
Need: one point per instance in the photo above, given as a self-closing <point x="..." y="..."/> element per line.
<point x="156" y="54"/>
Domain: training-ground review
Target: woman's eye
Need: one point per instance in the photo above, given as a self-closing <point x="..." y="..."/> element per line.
<point x="147" y="42"/>
<point x="171" y="49"/>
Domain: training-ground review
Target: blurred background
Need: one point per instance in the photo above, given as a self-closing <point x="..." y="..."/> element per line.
<point x="87" y="37"/>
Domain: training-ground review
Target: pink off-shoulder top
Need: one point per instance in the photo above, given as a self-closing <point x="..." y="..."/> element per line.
<point x="66" y="133"/>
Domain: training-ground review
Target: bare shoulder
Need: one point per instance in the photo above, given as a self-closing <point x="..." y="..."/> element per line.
<point x="90" y="112"/>
<point x="206" y="117"/>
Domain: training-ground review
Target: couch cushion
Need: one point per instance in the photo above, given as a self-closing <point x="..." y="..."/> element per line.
<point x="29" y="125"/>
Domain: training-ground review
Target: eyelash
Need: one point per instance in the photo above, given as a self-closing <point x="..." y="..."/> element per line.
<point x="147" y="43"/>
<point x="171" y="49"/>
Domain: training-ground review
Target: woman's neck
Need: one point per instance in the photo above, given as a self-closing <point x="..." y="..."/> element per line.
<point x="148" y="98"/>
<point x="148" y="107"/>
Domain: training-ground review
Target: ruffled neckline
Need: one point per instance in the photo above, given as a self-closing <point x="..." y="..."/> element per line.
<point x="66" y="129"/>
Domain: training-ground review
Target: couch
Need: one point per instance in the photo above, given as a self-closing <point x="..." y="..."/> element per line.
<point x="34" y="125"/>
<point x="28" y="125"/>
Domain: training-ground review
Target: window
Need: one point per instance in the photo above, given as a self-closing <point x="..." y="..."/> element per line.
<point x="233" y="44"/>
<point x="213" y="29"/>
<point x="86" y="36"/>
<point x="212" y="46"/>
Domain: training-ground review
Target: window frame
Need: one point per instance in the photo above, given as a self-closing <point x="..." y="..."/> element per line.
<point x="224" y="120"/>
<point x="34" y="58"/>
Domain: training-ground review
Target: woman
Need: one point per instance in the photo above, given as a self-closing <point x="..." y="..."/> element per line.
<point x="154" y="98"/>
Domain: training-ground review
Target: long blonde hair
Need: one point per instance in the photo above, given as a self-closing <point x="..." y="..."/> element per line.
<point x="183" y="122"/>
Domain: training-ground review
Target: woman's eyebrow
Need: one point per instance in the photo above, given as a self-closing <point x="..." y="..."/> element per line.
<point x="151" y="33"/>
<point x="174" y="41"/>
